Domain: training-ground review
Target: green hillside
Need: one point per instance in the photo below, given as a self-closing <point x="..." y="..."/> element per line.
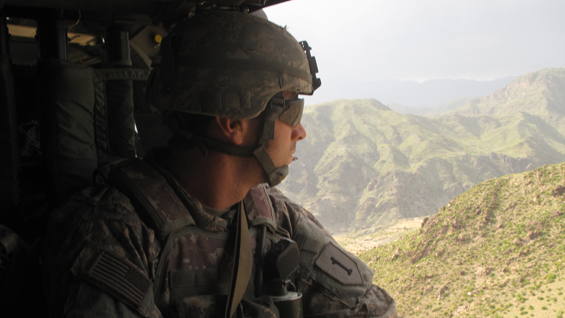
<point x="498" y="250"/>
<point x="539" y="93"/>
<point x="363" y="165"/>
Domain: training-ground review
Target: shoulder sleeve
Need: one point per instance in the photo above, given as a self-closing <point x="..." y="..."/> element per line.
<point x="97" y="240"/>
<point x="288" y="214"/>
<point x="334" y="282"/>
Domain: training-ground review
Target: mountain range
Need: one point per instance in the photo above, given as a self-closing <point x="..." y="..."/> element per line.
<point x="364" y="165"/>
<point x="408" y="93"/>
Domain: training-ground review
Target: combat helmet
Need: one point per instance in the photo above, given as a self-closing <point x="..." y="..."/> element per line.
<point x="234" y="65"/>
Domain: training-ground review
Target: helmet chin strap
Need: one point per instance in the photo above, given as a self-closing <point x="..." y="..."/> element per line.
<point x="275" y="175"/>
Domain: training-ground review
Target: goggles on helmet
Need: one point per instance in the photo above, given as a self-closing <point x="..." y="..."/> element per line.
<point x="292" y="112"/>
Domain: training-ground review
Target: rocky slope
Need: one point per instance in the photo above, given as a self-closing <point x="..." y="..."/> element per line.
<point x="538" y="93"/>
<point x="495" y="251"/>
<point x="363" y="165"/>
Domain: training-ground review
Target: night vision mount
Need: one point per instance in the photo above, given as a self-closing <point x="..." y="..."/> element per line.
<point x="316" y="82"/>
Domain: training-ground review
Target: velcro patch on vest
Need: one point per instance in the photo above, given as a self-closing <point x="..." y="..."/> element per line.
<point x="258" y="207"/>
<point x="115" y="275"/>
<point x="339" y="265"/>
<point x="308" y="244"/>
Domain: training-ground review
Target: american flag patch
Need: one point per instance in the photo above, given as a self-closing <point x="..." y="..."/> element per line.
<point x="119" y="277"/>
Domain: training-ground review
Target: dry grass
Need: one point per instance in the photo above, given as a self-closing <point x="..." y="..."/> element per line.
<point x="358" y="244"/>
<point x="484" y="254"/>
<point x="546" y="301"/>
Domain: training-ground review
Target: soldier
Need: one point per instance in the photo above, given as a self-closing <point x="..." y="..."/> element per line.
<point x="185" y="231"/>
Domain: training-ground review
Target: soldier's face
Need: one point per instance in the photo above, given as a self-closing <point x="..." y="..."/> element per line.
<point x="282" y="147"/>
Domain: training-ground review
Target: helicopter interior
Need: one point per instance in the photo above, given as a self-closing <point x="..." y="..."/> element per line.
<point x="72" y="99"/>
<point x="72" y="84"/>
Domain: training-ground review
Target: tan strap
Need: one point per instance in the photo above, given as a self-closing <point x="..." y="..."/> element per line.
<point x="275" y="175"/>
<point x="243" y="262"/>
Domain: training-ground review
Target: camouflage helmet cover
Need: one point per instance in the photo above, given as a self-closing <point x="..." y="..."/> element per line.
<point x="228" y="64"/>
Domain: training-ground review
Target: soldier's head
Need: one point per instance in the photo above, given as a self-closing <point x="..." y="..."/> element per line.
<point x="225" y="66"/>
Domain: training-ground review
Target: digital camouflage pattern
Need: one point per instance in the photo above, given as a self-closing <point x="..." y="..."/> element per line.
<point x="323" y="295"/>
<point x="228" y="64"/>
<point x="103" y="260"/>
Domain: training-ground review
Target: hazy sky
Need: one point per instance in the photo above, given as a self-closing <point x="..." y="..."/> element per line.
<point x="369" y="40"/>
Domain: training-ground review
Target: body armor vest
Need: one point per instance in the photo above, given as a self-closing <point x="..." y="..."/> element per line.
<point x="191" y="276"/>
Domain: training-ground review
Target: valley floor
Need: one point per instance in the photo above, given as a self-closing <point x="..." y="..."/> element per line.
<point x="357" y="244"/>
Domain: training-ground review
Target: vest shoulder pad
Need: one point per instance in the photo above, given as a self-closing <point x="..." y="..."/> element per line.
<point x="151" y="195"/>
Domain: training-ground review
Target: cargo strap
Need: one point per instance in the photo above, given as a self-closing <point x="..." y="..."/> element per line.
<point x="101" y="111"/>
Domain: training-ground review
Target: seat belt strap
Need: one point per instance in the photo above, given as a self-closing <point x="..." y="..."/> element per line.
<point x="243" y="262"/>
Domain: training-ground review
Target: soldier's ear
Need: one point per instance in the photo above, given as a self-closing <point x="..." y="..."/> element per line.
<point x="232" y="130"/>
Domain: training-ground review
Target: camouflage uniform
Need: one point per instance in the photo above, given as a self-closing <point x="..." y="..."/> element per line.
<point x="100" y="224"/>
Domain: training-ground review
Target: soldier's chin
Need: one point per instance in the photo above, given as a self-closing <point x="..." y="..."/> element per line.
<point x="291" y="158"/>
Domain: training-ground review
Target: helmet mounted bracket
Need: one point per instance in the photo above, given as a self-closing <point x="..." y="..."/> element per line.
<point x="316" y="82"/>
